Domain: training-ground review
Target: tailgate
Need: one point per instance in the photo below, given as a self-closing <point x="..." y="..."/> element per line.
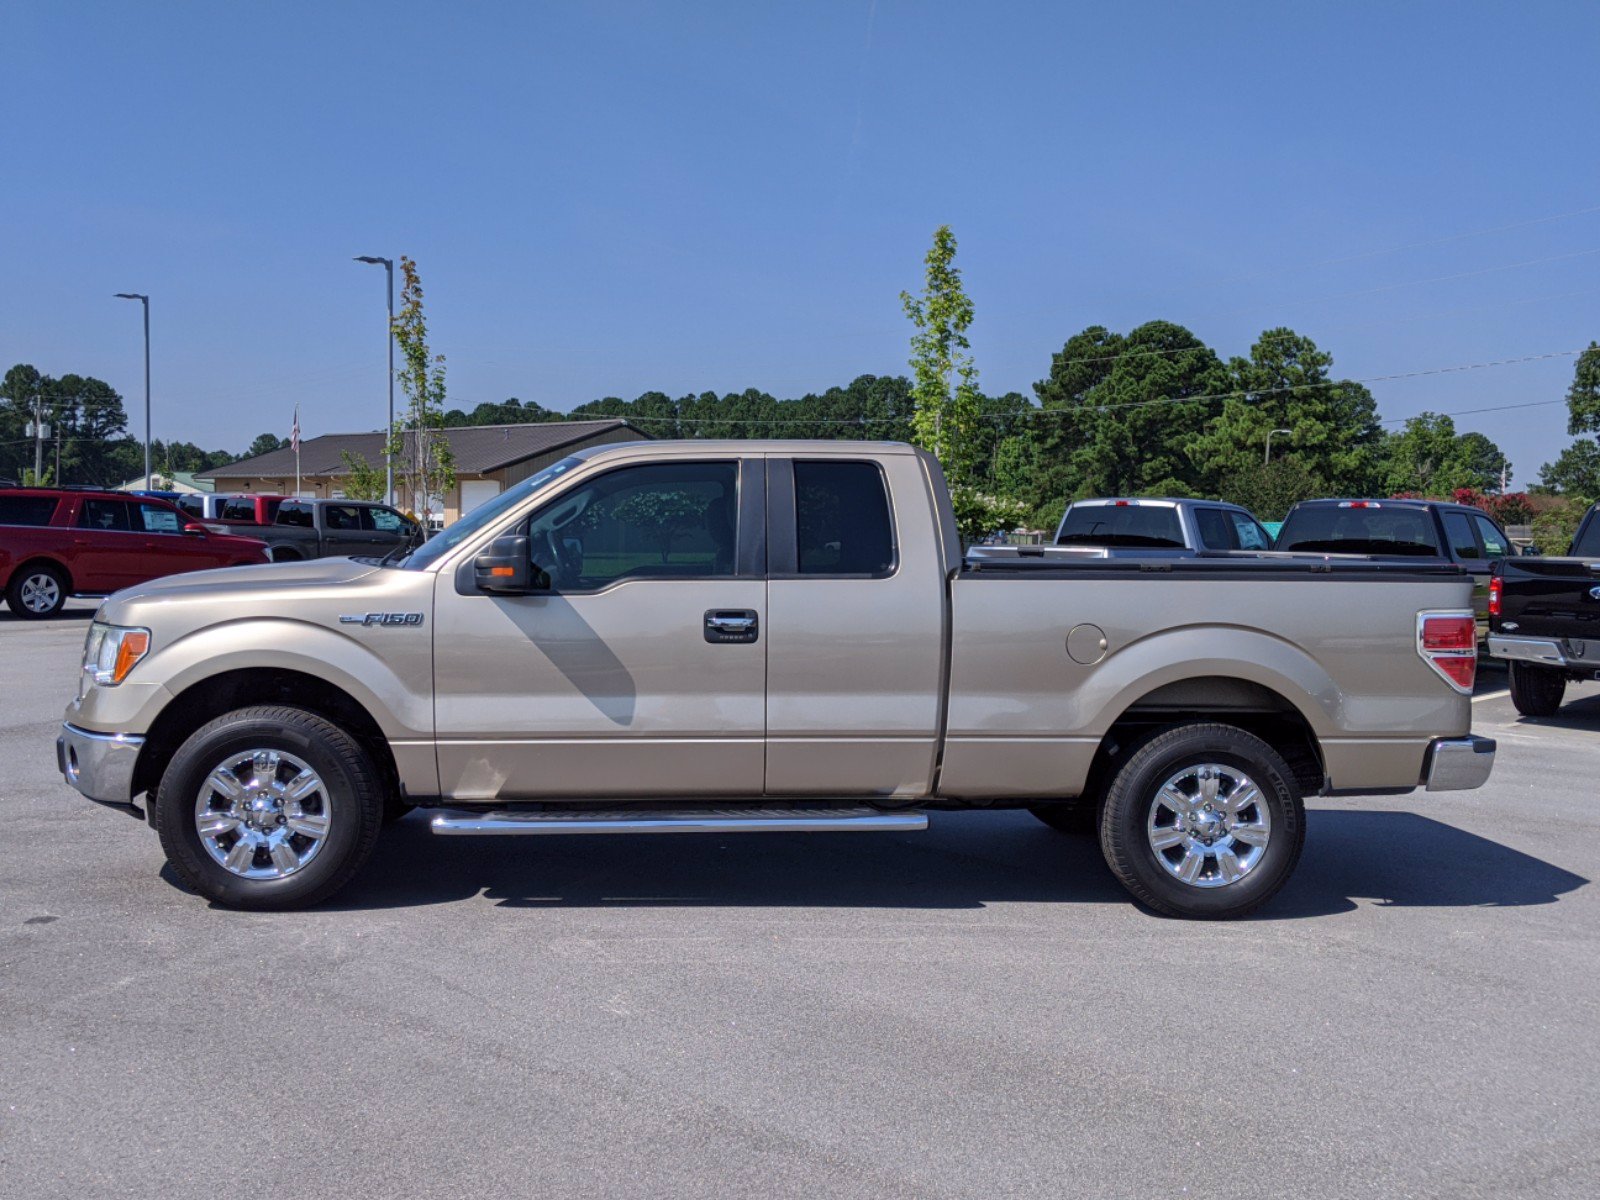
<point x="1552" y="597"/>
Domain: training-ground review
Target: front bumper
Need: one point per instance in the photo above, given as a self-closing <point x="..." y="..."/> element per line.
<point x="1573" y="654"/>
<point x="100" y="765"/>
<point x="1458" y="764"/>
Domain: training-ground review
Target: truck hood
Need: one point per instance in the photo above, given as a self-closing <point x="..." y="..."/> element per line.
<point x="271" y="583"/>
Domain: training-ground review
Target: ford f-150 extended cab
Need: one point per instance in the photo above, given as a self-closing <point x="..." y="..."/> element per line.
<point x="1544" y="620"/>
<point x="743" y="636"/>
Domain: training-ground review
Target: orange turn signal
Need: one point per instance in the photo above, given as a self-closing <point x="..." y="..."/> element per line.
<point x="132" y="648"/>
<point x="502" y="571"/>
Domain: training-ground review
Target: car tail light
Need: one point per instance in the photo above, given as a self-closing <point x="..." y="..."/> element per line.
<point x="1495" y="584"/>
<point x="1448" y="642"/>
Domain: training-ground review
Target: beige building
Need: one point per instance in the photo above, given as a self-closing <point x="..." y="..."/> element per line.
<point x="488" y="459"/>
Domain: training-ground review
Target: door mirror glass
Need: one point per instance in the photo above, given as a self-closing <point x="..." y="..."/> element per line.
<point x="506" y="569"/>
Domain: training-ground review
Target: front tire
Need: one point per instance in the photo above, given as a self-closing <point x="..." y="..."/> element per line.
<point x="1536" y="691"/>
<point x="37" y="591"/>
<point x="1203" y="821"/>
<point x="269" y="808"/>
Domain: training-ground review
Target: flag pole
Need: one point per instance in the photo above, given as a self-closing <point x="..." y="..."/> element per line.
<point x="296" y="440"/>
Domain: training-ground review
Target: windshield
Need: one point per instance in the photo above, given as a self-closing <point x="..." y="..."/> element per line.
<point x="1154" y="525"/>
<point x="486" y="513"/>
<point x="1329" y="529"/>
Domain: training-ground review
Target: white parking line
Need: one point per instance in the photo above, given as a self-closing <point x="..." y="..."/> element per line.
<point x="1492" y="695"/>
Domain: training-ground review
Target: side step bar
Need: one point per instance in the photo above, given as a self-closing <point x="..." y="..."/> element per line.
<point x="457" y="822"/>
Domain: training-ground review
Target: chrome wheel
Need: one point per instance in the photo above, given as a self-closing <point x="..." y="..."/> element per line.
<point x="1209" y="825"/>
<point x="262" y="814"/>
<point x="40" y="592"/>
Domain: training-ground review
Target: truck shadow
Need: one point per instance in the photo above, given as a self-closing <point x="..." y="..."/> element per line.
<point x="1580" y="714"/>
<point x="966" y="860"/>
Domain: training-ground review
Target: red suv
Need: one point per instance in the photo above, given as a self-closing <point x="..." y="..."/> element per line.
<point x="60" y="542"/>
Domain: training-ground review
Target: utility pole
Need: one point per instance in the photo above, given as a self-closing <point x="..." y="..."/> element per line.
<point x="388" y="430"/>
<point x="38" y="439"/>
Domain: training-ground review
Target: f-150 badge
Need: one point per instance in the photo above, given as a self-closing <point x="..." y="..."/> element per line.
<point x="381" y="619"/>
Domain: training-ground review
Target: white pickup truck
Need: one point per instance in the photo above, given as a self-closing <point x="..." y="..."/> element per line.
<point x="753" y="636"/>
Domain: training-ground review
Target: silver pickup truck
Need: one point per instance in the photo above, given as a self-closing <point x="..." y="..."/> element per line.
<point x="743" y="636"/>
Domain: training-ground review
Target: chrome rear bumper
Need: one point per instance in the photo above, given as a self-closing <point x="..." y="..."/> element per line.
<point x="100" y="765"/>
<point x="1575" y="654"/>
<point x="1459" y="764"/>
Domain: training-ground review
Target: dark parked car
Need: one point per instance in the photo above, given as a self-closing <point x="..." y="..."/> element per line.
<point x="1402" y="529"/>
<point x="1544" y="620"/>
<point x="60" y="542"/>
<point x="299" y="529"/>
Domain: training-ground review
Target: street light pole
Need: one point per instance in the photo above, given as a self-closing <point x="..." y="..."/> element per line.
<point x="145" y="300"/>
<point x="1267" y="456"/>
<point x="388" y="430"/>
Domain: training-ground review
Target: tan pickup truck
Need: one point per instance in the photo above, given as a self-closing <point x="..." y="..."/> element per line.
<point x="744" y="636"/>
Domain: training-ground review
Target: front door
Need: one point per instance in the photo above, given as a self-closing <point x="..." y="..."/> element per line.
<point x="640" y="670"/>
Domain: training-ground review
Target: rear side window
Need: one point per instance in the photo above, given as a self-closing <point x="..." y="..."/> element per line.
<point x="27" y="510"/>
<point x="159" y="519"/>
<point x="341" y="516"/>
<point x="1130" y="524"/>
<point x="1459" y="530"/>
<point x="1375" y="529"/>
<point x="1588" y="540"/>
<point x="1494" y="542"/>
<point x="298" y="515"/>
<point x="842" y="522"/>
<point x="108" y="516"/>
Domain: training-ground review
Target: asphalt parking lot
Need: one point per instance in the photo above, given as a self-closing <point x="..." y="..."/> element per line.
<point x="975" y="1011"/>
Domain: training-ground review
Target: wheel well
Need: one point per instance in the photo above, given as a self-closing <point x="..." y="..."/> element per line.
<point x="210" y="698"/>
<point x="284" y="554"/>
<point x="40" y="560"/>
<point x="1238" y="702"/>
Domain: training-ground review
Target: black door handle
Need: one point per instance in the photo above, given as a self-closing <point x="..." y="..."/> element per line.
<point x="737" y="625"/>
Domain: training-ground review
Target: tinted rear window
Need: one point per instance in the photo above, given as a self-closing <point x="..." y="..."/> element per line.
<point x="239" y="510"/>
<point x="27" y="510"/>
<point x="842" y="522"/>
<point x="1329" y="529"/>
<point x="1153" y="525"/>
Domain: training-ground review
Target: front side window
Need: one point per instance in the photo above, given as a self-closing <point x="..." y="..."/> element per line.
<point x="842" y="520"/>
<point x="660" y="521"/>
<point x="384" y="520"/>
<point x="155" y="518"/>
<point x="1494" y="542"/>
<point x="1249" y="532"/>
<point x="107" y="516"/>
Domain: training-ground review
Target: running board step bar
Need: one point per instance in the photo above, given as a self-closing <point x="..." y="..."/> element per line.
<point x="458" y="822"/>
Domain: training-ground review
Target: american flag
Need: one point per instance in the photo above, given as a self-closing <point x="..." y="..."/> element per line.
<point x="294" y="434"/>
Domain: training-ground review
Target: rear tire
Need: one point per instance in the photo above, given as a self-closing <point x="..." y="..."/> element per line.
<point x="37" y="591"/>
<point x="1536" y="691"/>
<point x="241" y="778"/>
<point x="1203" y="821"/>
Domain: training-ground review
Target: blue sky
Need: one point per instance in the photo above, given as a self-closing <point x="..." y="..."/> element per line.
<point x="608" y="198"/>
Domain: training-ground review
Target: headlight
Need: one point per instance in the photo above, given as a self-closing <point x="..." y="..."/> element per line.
<point x="110" y="652"/>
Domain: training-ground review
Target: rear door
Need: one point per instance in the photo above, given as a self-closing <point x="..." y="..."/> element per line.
<point x="341" y="530"/>
<point x="1461" y="539"/>
<point x="855" y="648"/>
<point x="640" y="669"/>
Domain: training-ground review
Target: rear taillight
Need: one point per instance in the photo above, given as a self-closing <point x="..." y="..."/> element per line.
<point x="1448" y="642"/>
<point x="1495" y="584"/>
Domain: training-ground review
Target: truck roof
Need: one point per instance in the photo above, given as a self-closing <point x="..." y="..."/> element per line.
<point x="748" y="447"/>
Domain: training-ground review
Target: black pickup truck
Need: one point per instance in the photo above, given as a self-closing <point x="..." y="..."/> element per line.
<point x="299" y="529"/>
<point x="1544" y="620"/>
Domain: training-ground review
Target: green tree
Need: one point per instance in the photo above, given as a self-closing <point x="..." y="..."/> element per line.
<point x="363" y="481"/>
<point x="1576" y="472"/>
<point x="1285" y="383"/>
<point x="945" y="380"/>
<point x="1583" y="397"/>
<point x="1429" y="458"/>
<point x="1269" y="489"/>
<point x="424" y="463"/>
<point x="266" y="443"/>
<point x="1125" y="415"/>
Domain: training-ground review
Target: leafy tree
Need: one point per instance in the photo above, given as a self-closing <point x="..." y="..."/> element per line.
<point x="667" y="515"/>
<point x="946" y="387"/>
<point x="1576" y="472"/>
<point x="1120" y="419"/>
<point x="1583" y="397"/>
<point x="1429" y="458"/>
<point x="266" y="443"/>
<point x="1269" y="489"/>
<point x="1285" y="384"/>
<point x="363" y="481"/>
<point x="424" y="463"/>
